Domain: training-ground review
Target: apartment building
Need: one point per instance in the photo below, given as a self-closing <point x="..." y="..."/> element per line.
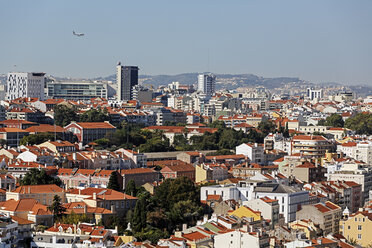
<point x="312" y="145"/>
<point x="327" y="215"/>
<point x="89" y="131"/>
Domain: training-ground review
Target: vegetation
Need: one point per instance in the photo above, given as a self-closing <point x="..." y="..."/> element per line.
<point x="73" y="218"/>
<point x="95" y="115"/>
<point x="64" y="115"/>
<point x="56" y="208"/>
<point x="133" y="190"/>
<point x="36" y="139"/>
<point x="333" y="120"/>
<point x="360" y="123"/>
<point x="175" y="202"/>
<point x="39" y="177"/>
<point x="114" y="182"/>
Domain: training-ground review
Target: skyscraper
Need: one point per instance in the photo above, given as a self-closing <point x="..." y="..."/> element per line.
<point x="207" y="83"/>
<point x="25" y="84"/>
<point x="126" y="78"/>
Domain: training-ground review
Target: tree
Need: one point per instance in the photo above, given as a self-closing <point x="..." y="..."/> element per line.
<point x="334" y="120"/>
<point x="360" y="123"/>
<point x="39" y="177"/>
<point x="139" y="216"/>
<point x="73" y="218"/>
<point x="266" y="127"/>
<point x="63" y="115"/>
<point x="56" y="208"/>
<point x="113" y="181"/>
<point x="37" y="138"/>
<point x="130" y="188"/>
<point x="95" y="115"/>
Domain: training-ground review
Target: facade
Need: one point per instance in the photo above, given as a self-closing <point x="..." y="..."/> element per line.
<point x="239" y="239"/>
<point x="24" y="84"/>
<point x="207" y="83"/>
<point x="358" y="227"/>
<point x="255" y="152"/>
<point x="76" y="90"/>
<point x="312" y="145"/>
<point x="314" y="94"/>
<point x="140" y="176"/>
<point x="89" y="131"/>
<point x="126" y="79"/>
<point x="327" y="215"/>
<point x="268" y="207"/>
<point x="42" y="193"/>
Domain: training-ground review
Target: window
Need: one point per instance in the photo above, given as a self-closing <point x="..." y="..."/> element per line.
<point x="359" y="227"/>
<point x="359" y="236"/>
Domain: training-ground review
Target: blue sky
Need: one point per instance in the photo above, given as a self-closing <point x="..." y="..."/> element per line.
<point x="319" y="41"/>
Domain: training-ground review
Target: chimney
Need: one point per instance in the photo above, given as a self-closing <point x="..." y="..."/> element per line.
<point x="94" y="196"/>
<point x="80" y="192"/>
<point x="74" y="156"/>
<point x="74" y="228"/>
<point x="184" y="227"/>
<point x="85" y="208"/>
<point x="113" y="210"/>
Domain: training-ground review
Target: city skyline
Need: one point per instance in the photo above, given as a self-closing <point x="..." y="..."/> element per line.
<point x="316" y="41"/>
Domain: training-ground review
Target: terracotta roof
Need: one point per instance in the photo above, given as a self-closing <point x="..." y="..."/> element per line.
<point x="309" y="137"/>
<point x="42" y="128"/>
<point x="137" y="171"/>
<point x="193" y="236"/>
<point x="95" y="125"/>
<point x="36" y="189"/>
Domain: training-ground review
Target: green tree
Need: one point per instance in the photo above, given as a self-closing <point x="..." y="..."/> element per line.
<point x="130" y="188"/>
<point x="56" y="208"/>
<point x="334" y="120"/>
<point x="139" y="215"/>
<point x="361" y="123"/>
<point x="266" y="127"/>
<point x="218" y="124"/>
<point x="39" y="177"/>
<point x="95" y="115"/>
<point x="63" y="115"/>
<point x="73" y="218"/>
<point x="114" y="181"/>
<point x="38" y="138"/>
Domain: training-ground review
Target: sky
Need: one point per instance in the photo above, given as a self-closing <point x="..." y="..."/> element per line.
<point x="318" y="41"/>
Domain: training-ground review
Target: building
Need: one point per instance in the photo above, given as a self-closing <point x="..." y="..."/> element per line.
<point x="126" y="79"/>
<point x="179" y="170"/>
<point x="311" y="145"/>
<point x="268" y="207"/>
<point x="8" y="232"/>
<point x="358" y="227"/>
<point x="90" y="131"/>
<point x="207" y="83"/>
<point x="28" y="209"/>
<point x="76" y="90"/>
<point x="327" y="215"/>
<point x="25" y="84"/>
<point x="140" y="176"/>
<point x="12" y="135"/>
<point x="312" y="94"/>
<point x="255" y="152"/>
<point x="240" y="239"/>
<point x="42" y="193"/>
<point x="109" y="199"/>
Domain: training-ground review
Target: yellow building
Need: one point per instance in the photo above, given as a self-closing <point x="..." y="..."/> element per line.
<point x="358" y="227"/>
<point x="246" y="212"/>
<point x="307" y="226"/>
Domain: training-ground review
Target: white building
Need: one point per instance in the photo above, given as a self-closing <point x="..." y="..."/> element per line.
<point x="25" y="84"/>
<point x="314" y="94"/>
<point x="238" y="238"/>
<point x="207" y="83"/>
<point x="289" y="198"/>
<point x="255" y="152"/>
<point x="361" y="151"/>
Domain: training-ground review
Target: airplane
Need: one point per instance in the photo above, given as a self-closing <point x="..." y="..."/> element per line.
<point x="77" y="34"/>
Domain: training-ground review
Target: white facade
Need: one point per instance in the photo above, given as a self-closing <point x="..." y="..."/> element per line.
<point x="207" y="83"/>
<point x="254" y="152"/>
<point x="288" y="198"/>
<point x="25" y="84"/>
<point x="359" y="151"/>
<point x="236" y="239"/>
<point x="314" y="94"/>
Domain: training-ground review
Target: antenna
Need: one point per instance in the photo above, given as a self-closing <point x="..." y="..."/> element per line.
<point x="208" y="61"/>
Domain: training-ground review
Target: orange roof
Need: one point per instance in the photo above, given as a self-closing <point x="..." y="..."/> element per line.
<point x="137" y="171"/>
<point x="193" y="236"/>
<point x="12" y="130"/>
<point x="108" y="194"/>
<point x="42" y="128"/>
<point x="96" y="125"/>
<point x="309" y="137"/>
<point x="22" y="221"/>
<point x="36" y="189"/>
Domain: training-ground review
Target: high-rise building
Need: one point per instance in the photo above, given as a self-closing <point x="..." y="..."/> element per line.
<point x="25" y="84"/>
<point x="207" y="83"/>
<point x="126" y="78"/>
<point x="314" y="94"/>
